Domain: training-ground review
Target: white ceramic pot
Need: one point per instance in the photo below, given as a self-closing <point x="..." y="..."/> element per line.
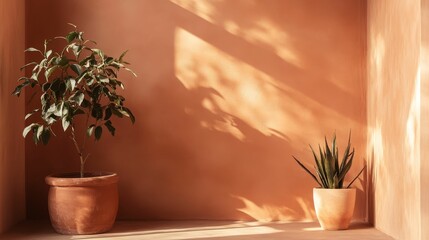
<point x="334" y="207"/>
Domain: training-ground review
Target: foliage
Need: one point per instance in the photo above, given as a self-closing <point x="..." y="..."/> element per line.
<point x="77" y="81"/>
<point x="330" y="173"/>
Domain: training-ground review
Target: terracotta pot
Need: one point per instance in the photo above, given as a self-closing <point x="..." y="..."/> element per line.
<point x="334" y="207"/>
<point x="82" y="205"/>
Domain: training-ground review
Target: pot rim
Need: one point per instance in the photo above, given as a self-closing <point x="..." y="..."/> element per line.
<point x="334" y="189"/>
<point x="72" y="179"/>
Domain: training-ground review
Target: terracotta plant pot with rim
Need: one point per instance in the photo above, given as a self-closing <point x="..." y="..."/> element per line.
<point x="82" y="205"/>
<point x="334" y="207"/>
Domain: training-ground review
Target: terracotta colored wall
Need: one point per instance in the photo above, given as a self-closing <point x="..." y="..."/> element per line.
<point x="227" y="91"/>
<point x="424" y="118"/>
<point x="12" y="174"/>
<point x="394" y="86"/>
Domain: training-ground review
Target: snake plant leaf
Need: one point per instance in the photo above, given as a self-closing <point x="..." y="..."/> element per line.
<point x="322" y="178"/>
<point x="319" y="167"/>
<point x="348" y="186"/>
<point x="308" y="171"/>
<point x="335" y="154"/>
<point x="328" y="171"/>
<point x="327" y="166"/>
<point x="347" y="167"/>
<point x="335" y="182"/>
<point x="346" y="152"/>
<point x="322" y="162"/>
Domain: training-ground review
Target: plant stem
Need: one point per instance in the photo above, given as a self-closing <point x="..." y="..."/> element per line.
<point x="79" y="151"/>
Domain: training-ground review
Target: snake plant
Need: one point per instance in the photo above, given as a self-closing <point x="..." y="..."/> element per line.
<point x="330" y="173"/>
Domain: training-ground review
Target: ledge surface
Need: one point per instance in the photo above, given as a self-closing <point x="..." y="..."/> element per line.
<point x="203" y="230"/>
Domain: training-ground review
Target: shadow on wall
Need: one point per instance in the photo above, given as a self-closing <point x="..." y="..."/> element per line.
<point x="223" y="101"/>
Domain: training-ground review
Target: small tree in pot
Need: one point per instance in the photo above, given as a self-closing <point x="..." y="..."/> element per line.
<point x="334" y="204"/>
<point x="79" y="81"/>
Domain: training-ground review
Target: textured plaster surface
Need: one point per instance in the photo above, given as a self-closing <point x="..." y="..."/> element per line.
<point x="12" y="170"/>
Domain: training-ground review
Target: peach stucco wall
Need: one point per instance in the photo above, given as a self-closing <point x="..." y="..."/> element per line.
<point x="424" y="118"/>
<point x="227" y="91"/>
<point x="394" y="98"/>
<point x="12" y="170"/>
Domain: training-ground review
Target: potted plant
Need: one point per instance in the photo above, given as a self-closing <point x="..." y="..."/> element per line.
<point x="78" y="91"/>
<point x="334" y="204"/>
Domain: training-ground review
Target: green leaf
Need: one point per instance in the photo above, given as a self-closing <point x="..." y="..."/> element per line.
<point x="76" y="68"/>
<point x="122" y="55"/>
<point x="76" y="49"/>
<point x="346" y="168"/>
<point x="84" y="74"/>
<point x="72" y="36"/>
<point x="71" y="84"/>
<point x="78" y="111"/>
<point x="48" y="53"/>
<point x="131" y="71"/>
<point x="46" y="135"/>
<point x="108" y="60"/>
<point x="107" y="113"/>
<point x="71" y="24"/>
<point x="99" y="52"/>
<point x="109" y="126"/>
<point x="31" y="113"/>
<point x="116" y="112"/>
<point x="46" y="86"/>
<point x="356" y="177"/>
<point x="98" y="131"/>
<point x="104" y="80"/>
<point x="97" y="112"/>
<point x="66" y="123"/>
<point x="39" y="131"/>
<point x="58" y="109"/>
<point x="28" y="129"/>
<point x="19" y="88"/>
<point x="319" y="168"/>
<point x="31" y="49"/>
<point x="130" y="115"/>
<point x="49" y="72"/>
<point x="335" y="154"/>
<point x="62" y="61"/>
<point x="346" y="153"/>
<point x="78" y="97"/>
<point x="85" y="103"/>
<point x="335" y="182"/>
<point x="308" y="171"/>
<point x="28" y="64"/>
<point x="90" y="130"/>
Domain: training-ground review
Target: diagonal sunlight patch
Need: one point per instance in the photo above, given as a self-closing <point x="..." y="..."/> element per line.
<point x="202" y="8"/>
<point x="245" y="97"/>
<point x="229" y="230"/>
<point x="267" y="34"/>
<point x="269" y="213"/>
<point x="260" y="30"/>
